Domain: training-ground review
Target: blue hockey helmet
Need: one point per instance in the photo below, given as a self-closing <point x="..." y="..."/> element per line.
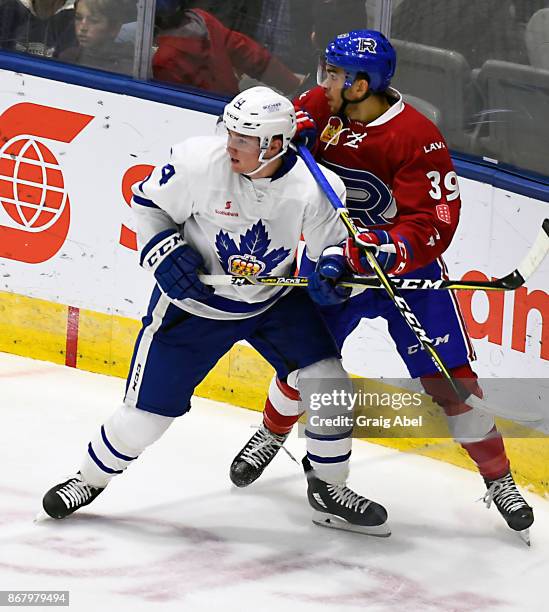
<point x="366" y="51"/>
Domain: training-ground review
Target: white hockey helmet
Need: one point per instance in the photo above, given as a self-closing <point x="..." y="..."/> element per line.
<point x="264" y="113"/>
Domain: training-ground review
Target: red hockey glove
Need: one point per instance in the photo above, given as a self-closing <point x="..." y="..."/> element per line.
<point x="306" y="130"/>
<point x="379" y="243"/>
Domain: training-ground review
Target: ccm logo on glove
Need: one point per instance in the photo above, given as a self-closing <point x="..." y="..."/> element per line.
<point x="175" y="266"/>
<point x="161" y="249"/>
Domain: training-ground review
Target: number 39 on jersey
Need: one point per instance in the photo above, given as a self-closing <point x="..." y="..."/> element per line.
<point x="448" y="182"/>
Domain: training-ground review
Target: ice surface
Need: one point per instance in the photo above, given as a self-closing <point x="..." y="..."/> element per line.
<point x="172" y="533"/>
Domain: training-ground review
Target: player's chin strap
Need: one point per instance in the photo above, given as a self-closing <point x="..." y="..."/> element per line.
<point x="346" y="102"/>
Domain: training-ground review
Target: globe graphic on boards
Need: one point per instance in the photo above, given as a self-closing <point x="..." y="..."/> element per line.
<point x="32" y="188"/>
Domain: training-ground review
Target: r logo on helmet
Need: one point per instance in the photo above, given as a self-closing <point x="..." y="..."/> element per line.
<point x="367" y="45"/>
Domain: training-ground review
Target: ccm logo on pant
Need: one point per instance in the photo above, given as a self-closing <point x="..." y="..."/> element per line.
<point x="436" y="341"/>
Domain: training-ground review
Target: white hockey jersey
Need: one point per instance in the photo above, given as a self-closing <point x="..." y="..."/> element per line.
<point x="239" y="225"/>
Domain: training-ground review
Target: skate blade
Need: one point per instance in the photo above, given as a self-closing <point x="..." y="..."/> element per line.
<point x="334" y="522"/>
<point x="41" y="517"/>
<point x="524" y="535"/>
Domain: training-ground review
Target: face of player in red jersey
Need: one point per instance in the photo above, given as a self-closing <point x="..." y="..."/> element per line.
<point x="361" y="106"/>
<point x="332" y="82"/>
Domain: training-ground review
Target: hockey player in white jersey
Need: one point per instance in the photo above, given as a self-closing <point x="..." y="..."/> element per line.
<point x="236" y="205"/>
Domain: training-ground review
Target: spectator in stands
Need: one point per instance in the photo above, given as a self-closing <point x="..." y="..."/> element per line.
<point x="97" y="24"/>
<point x="239" y="15"/>
<point x="479" y="29"/>
<point x="283" y="27"/>
<point x="38" y="27"/>
<point x="196" y="49"/>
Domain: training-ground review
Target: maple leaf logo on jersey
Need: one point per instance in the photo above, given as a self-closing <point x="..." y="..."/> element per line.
<point x="251" y="256"/>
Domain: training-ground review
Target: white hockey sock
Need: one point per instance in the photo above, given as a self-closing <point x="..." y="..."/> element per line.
<point x="120" y="441"/>
<point x="330" y="458"/>
<point x="329" y="424"/>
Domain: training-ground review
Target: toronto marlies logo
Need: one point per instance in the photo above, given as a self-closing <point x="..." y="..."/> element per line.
<point x="251" y="256"/>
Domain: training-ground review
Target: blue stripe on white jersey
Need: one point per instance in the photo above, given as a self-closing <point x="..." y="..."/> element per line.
<point x="144" y="202"/>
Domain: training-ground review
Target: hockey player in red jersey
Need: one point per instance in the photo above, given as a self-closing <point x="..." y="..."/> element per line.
<point x="403" y="190"/>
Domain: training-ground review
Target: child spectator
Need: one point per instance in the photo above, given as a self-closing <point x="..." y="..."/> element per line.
<point x="97" y="24"/>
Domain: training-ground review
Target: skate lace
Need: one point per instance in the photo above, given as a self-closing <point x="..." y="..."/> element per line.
<point x="504" y="493"/>
<point x="75" y="492"/>
<point x="263" y="446"/>
<point x="348" y="498"/>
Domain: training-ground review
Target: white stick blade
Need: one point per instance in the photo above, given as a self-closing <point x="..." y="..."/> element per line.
<point x="537" y="253"/>
<point x="217" y="280"/>
<point x="520" y="413"/>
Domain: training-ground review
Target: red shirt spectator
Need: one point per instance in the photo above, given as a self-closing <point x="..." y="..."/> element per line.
<point x="203" y="53"/>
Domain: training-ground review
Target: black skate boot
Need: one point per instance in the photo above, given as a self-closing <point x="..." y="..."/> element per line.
<point x="256" y="455"/>
<point x="510" y="503"/>
<point x="339" y="507"/>
<point x="68" y="496"/>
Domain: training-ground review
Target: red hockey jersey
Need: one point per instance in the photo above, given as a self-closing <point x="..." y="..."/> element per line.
<point x="398" y="174"/>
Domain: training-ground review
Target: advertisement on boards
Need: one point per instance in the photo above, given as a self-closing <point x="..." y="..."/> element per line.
<point x="68" y="158"/>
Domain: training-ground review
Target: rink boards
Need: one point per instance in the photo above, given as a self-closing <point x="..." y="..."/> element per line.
<point x="72" y="291"/>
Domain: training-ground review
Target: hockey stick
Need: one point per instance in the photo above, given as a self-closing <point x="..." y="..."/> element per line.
<point x="510" y="282"/>
<point x="387" y="283"/>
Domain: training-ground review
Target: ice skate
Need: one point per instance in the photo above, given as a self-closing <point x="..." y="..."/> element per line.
<point x="256" y="455"/>
<point x="510" y="503"/>
<point x="63" y="499"/>
<point x="339" y="507"/>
